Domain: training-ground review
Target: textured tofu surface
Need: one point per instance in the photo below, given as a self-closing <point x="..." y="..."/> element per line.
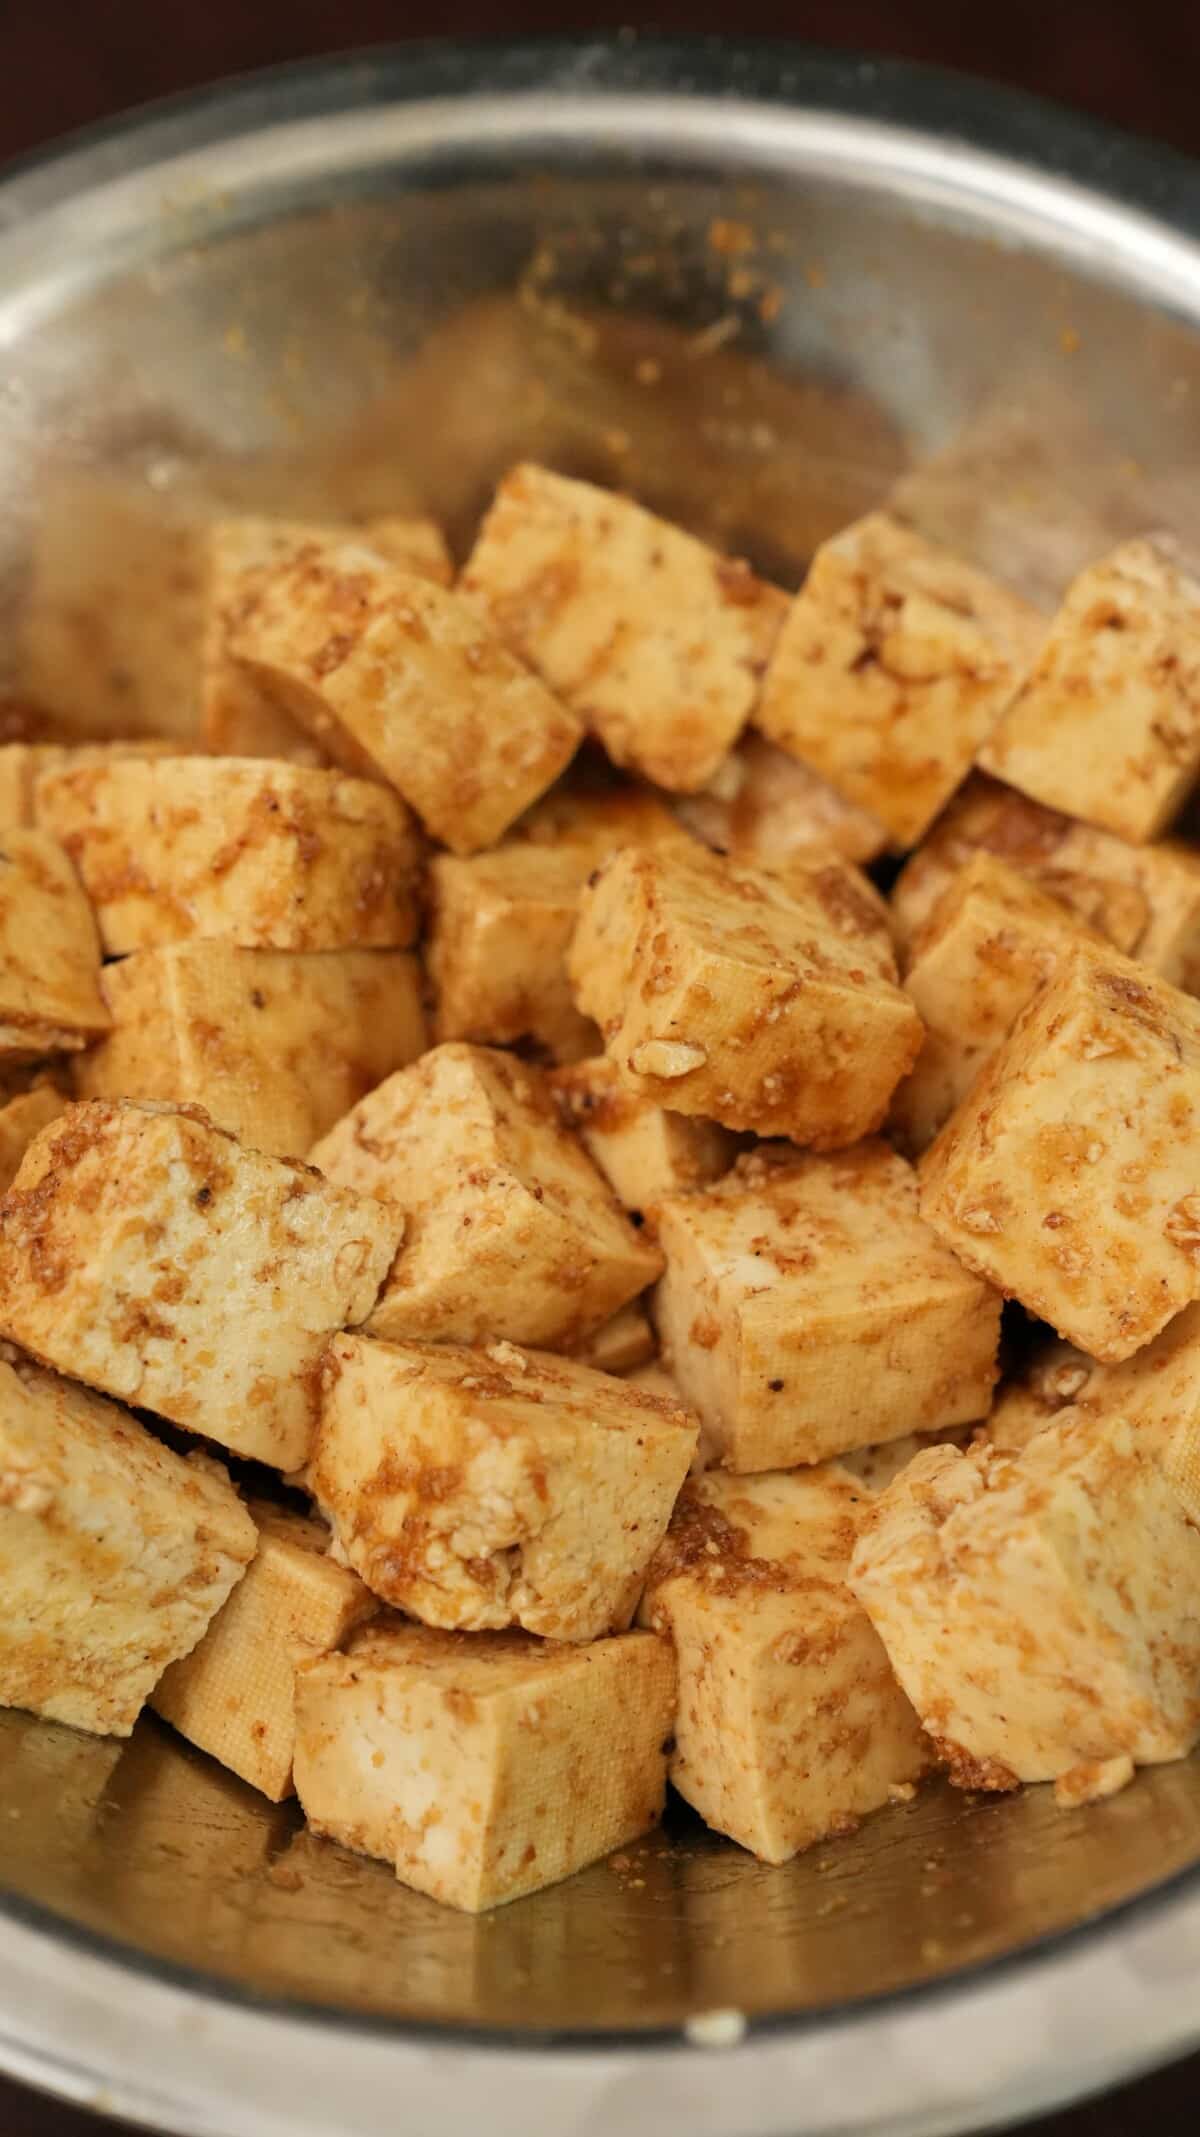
<point x="724" y="992"/>
<point x="485" y="1488"/>
<point x="484" y="1768"/>
<point x="22" y="764"/>
<point x="275" y="1044"/>
<point x="643" y="1150"/>
<point x="1107" y="724"/>
<point x="1067" y="1176"/>
<point x="894" y="664"/>
<point x="115" y="1553"/>
<point x="655" y="641"/>
<point x="509" y="1228"/>
<point x="1039" y="1609"/>
<point x="791" y="1725"/>
<point x="21" y="1118"/>
<point x="806" y="1309"/>
<point x="394" y="675"/>
<point x="766" y="808"/>
<point x="148" y="1253"/>
<point x="234" y="1695"/>
<point x="500" y="928"/>
<point x="50" y="998"/>
<point x="272" y="856"/>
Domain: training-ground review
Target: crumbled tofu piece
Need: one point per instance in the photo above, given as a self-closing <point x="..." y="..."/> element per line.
<point x="1039" y="1609"/>
<point x="1093" y="1781"/>
<point x="895" y="662"/>
<point x="399" y="678"/>
<point x="1107" y="723"/>
<point x="1145" y="900"/>
<point x="488" y="1767"/>
<point x="1066" y="1176"/>
<point x="478" y="1489"/>
<point x="234" y="1695"/>
<point x="22" y="764"/>
<point x="993" y="940"/>
<point x="806" y="1310"/>
<point x="510" y="1229"/>
<point x="723" y="992"/>
<point x="115" y="1553"/>
<point x="272" y="856"/>
<point x="657" y="642"/>
<point x="621" y="1345"/>
<point x="275" y="1044"/>
<point x="143" y="1250"/>
<point x="766" y="808"/>
<point x="21" y="1118"/>
<point x="791" y="1725"/>
<point x="644" y="1151"/>
<point x="50" y="1000"/>
<point x="874" y="1468"/>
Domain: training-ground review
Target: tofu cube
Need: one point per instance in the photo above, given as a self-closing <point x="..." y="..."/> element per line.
<point x="1039" y="1609"/>
<point x="791" y="1725"/>
<point x="657" y="642"/>
<point x="509" y="1228"/>
<point x="143" y="1250"/>
<point x="234" y="1696"/>
<point x="22" y="764"/>
<point x="766" y="808"/>
<point x="724" y="992"/>
<point x="22" y="1117"/>
<point x="1067" y="1177"/>
<point x="894" y="664"/>
<point x="115" y="1553"/>
<point x="1107" y="723"/>
<point x="399" y="678"/>
<point x="806" y="1310"/>
<point x="621" y="1345"/>
<point x="644" y="1151"/>
<point x="271" y="856"/>
<point x="489" y="1767"/>
<point x="993" y="940"/>
<point x="275" y="1044"/>
<point x="478" y="1489"/>
<point x="50" y="1000"/>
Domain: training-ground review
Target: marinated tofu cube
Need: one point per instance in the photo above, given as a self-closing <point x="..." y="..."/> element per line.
<point x="22" y="1117"/>
<point x="791" y="1725"/>
<point x="510" y="1229"/>
<point x="399" y="678"/>
<point x="644" y="1151"/>
<point x="723" y="992"/>
<point x="275" y="1044"/>
<point x="22" y="764"/>
<point x="806" y="1310"/>
<point x="115" y="1553"/>
<point x="1039" y="1609"/>
<point x="234" y="1696"/>
<point x="894" y="664"/>
<point x="478" y="1489"/>
<point x="621" y="1345"/>
<point x="50" y="1000"/>
<point x="1107" y="723"/>
<point x="766" y="808"/>
<point x="1067" y="1177"/>
<point x="657" y="642"/>
<point x="143" y="1250"/>
<point x="271" y="856"/>
<point x="488" y="1767"/>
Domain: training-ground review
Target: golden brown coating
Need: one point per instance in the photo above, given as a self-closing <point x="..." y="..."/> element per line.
<point x="22" y="1117"/>
<point x="766" y="808"/>
<point x="50" y="999"/>
<point x="643" y="1150"/>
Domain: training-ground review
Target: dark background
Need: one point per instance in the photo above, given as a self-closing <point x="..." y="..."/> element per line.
<point x="64" y="63"/>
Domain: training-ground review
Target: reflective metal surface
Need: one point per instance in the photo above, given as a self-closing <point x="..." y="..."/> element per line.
<point x="762" y="292"/>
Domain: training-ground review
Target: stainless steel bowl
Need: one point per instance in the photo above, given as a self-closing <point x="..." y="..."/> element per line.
<point x="763" y="290"/>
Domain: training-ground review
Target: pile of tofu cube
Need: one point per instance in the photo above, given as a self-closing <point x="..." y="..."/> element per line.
<point x="505" y="1228"/>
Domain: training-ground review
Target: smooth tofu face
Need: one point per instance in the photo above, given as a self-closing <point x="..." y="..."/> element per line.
<point x="510" y="1230"/>
<point x="115" y="1553"/>
<point x="1065" y="1177"/>
<point x="234" y="1695"/>
<point x="484" y="1767"/>
<point x="764" y="807"/>
<point x="1038" y="1609"/>
<point x="271" y="856"/>
<point x="500" y="929"/>
<point x="806" y="1310"/>
<point x="655" y="641"/>
<point x="396" y="676"/>
<point x="50" y="1000"/>
<point x="1107" y="725"/>
<point x="621" y="1345"/>
<point x="723" y="992"/>
<point x="791" y="1725"/>
<point x="21" y="1118"/>
<point x="644" y="1151"/>
<point x="480" y="1489"/>
<point x="147" y="1253"/>
<point x="895" y="663"/>
<point x="275" y="1044"/>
